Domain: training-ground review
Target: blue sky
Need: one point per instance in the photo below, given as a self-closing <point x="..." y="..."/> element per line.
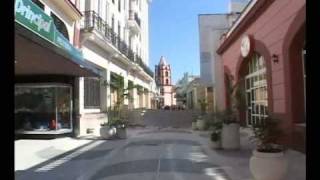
<point x="173" y="32"/>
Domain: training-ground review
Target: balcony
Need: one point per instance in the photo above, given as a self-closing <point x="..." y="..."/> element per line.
<point x="134" y="22"/>
<point x="143" y="66"/>
<point x="92" y="22"/>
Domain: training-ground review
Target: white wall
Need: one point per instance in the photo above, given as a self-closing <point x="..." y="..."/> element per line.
<point x="211" y="28"/>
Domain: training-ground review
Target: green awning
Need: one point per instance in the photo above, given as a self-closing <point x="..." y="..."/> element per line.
<point x="35" y="25"/>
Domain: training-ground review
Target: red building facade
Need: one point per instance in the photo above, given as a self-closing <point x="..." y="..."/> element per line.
<point x="273" y="73"/>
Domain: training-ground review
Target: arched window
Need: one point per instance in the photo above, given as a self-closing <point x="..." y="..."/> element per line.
<point x="61" y="27"/>
<point x="256" y="90"/>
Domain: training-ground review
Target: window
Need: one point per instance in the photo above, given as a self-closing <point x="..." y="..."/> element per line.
<point x="119" y="5"/>
<point x="256" y="90"/>
<point x="162" y="91"/>
<point x="39" y="4"/>
<point x="167" y="74"/>
<point x="113" y="1"/>
<point x="91" y="93"/>
<point x="112" y="23"/>
<point x="119" y="30"/>
<point x="43" y="107"/>
<point x="106" y="12"/>
<point x="61" y="27"/>
<point x="167" y="82"/>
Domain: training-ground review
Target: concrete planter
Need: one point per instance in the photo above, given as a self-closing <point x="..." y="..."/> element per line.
<point x="200" y="124"/>
<point x="107" y="132"/>
<point x="215" y="144"/>
<point x="230" y="136"/>
<point x="194" y="125"/>
<point x="268" y="166"/>
<point x="122" y="133"/>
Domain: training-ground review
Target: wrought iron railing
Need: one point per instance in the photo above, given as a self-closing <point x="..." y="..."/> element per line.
<point x="92" y="21"/>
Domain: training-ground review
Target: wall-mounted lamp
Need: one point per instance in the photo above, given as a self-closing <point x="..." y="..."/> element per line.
<point x="275" y="58"/>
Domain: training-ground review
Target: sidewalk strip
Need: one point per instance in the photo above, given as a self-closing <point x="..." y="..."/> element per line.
<point x="60" y="161"/>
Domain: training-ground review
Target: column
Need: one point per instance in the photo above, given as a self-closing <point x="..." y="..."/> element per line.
<point x="75" y="105"/>
<point x="108" y="97"/>
<point x="125" y="81"/>
<point x="103" y="92"/>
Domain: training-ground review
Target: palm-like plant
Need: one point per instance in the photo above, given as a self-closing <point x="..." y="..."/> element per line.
<point x="114" y="113"/>
<point x="236" y="95"/>
<point x="203" y="105"/>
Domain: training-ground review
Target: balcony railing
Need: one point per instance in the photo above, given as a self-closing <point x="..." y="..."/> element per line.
<point x="143" y="66"/>
<point x="92" y="21"/>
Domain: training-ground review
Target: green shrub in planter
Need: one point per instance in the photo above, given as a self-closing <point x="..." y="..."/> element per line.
<point x="215" y="136"/>
<point x="268" y="161"/>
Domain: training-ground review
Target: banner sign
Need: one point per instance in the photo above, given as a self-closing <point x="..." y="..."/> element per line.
<point x="36" y="20"/>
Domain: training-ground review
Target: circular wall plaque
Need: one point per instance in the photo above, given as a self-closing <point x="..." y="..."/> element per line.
<point x="245" y="46"/>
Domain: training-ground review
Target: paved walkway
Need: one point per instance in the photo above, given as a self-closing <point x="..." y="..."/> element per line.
<point x="153" y="154"/>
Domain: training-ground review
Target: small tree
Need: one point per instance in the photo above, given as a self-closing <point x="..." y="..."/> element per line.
<point x="236" y="95"/>
<point x="114" y="113"/>
<point x="203" y="106"/>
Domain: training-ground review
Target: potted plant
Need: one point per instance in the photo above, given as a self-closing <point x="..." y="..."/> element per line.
<point x="107" y="130"/>
<point x="200" y="120"/>
<point x="117" y="125"/>
<point x="268" y="161"/>
<point x="215" y="138"/>
<point x="230" y="135"/>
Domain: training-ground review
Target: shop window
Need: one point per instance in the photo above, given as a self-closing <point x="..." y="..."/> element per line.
<point x="61" y="27"/>
<point x="39" y="4"/>
<point x="43" y="108"/>
<point x="91" y="93"/>
<point x="256" y="90"/>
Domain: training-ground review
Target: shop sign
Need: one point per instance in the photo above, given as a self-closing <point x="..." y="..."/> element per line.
<point x="33" y="18"/>
<point x="63" y="43"/>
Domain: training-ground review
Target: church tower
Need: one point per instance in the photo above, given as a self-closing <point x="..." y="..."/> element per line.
<point x="163" y="73"/>
<point x="163" y="80"/>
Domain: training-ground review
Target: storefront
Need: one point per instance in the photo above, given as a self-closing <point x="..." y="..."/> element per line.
<point x="264" y="52"/>
<point x="47" y="68"/>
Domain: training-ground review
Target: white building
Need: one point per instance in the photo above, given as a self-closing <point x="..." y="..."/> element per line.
<point x="211" y="28"/>
<point x="115" y="39"/>
<point x="181" y="88"/>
